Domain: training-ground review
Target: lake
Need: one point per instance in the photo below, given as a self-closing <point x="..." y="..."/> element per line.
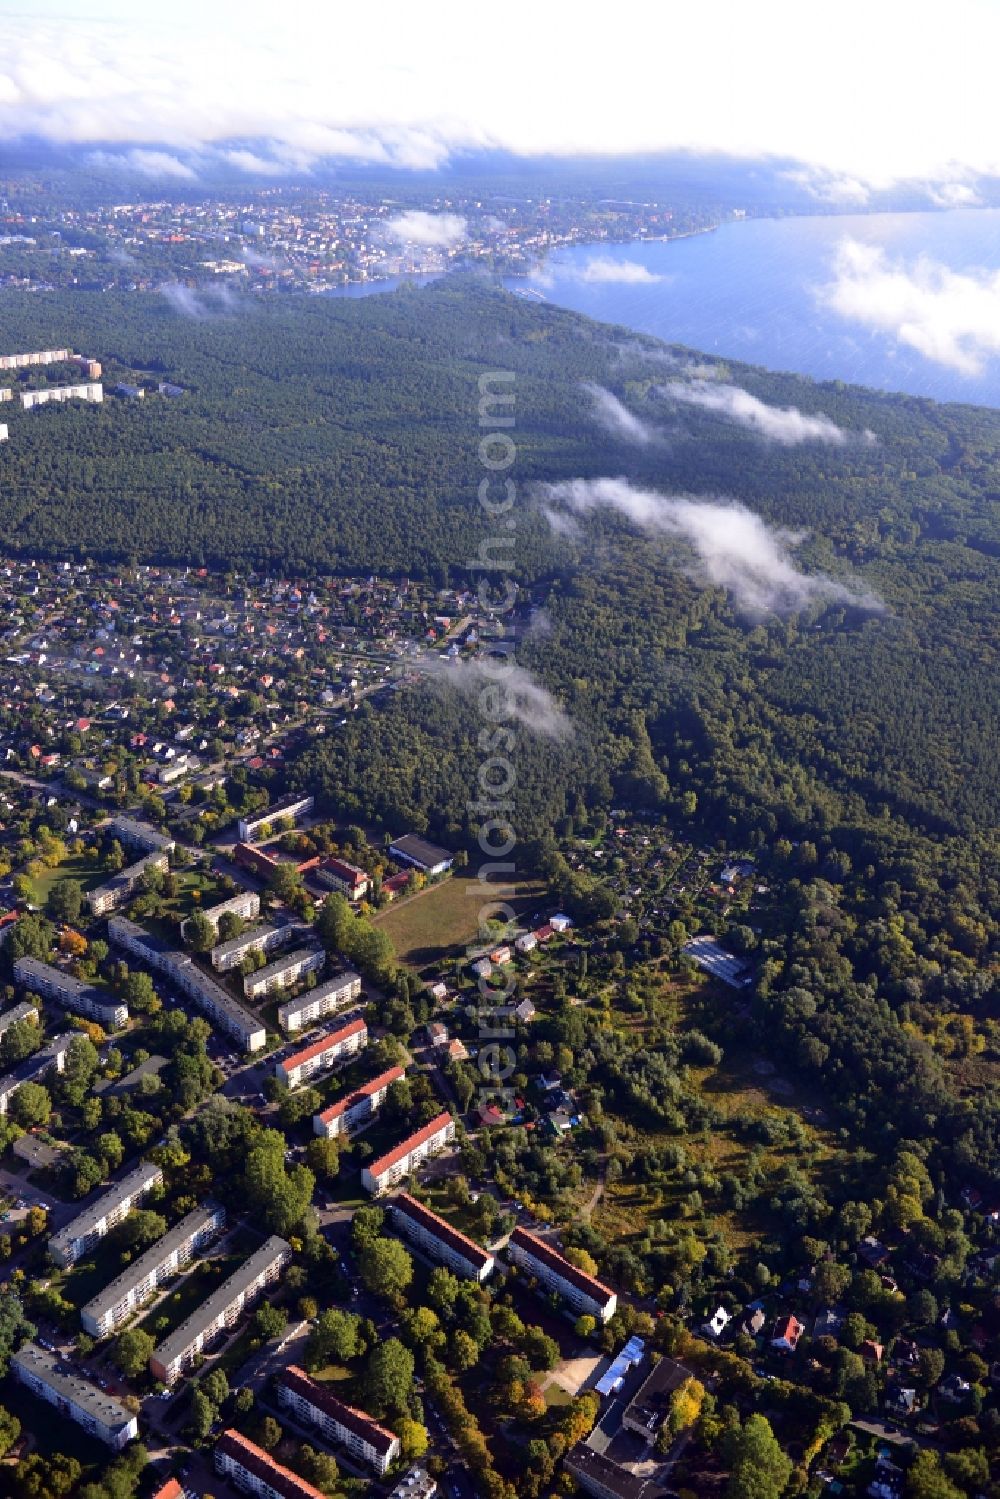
<point x="912" y="303"/>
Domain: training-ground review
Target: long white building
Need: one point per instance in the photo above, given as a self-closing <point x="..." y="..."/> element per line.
<point x="439" y="1241"/>
<point x="84" y="1231"/>
<point x="354" y="1110"/>
<point x="63" y="989"/>
<point x="87" y="390"/>
<point x="226" y="956"/>
<point x="18" y="1014"/>
<point x="290" y="808"/>
<point x="37" y="356"/>
<point x="100" y="1414"/>
<point x="162" y="1260"/>
<point x="317" y="1405"/>
<point x="312" y="1061"/>
<point x="179" y="969"/>
<point x="284" y="972"/>
<point x="332" y="995"/>
<point x="119" y="890"/>
<point x="396" y="1164"/>
<point x="34" y="1068"/>
<point x="583" y="1292"/>
<point x="245" y="904"/>
<point x="220" y="1310"/>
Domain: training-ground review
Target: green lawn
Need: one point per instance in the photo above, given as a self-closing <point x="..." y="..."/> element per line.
<point x="424" y="928"/>
<point x="82" y="868"/>
<point x="190" y="1293"/>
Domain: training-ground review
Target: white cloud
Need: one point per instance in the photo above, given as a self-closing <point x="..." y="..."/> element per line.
<point x="954" y="195"/>
<point x="146" y="163"/>
<point x="951" y="317"/>
<point x="616" y="418"/>
<point x="729" y="546"/>
<point x="415" y="227"/>
<point x="785" y="424"/>
<point x="523" y="699"/>
<point x="380" y="84"/>
<point x="604" y="268"/>
<point x="205" y="302"/>
<point x="829" y="187"/>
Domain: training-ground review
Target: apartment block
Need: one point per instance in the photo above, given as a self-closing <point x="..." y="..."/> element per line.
<point x="179" y="969"/>
<point x="34" y="1068"/>
<point x="340" y="1423"/>
<point x="347" y="879"/>
<point x="354" y="1110"/>
<point x="284" y="972"/>
<point x="84" y="1231"/>
<point x="245" y="904"/>
<point x="140" y="837"/>
<point x="291" y="807"/>
<point x="312" y="1061"/>
<point x="120" y="889"/>
<point x="63" y="989"/>
<point x="229" y="955"/>
<point x="37" y="356"/>
<point x="162" y="1260"/>
<point x="89" y="390"/>
<point x="220" y="1310"/>
<point x="437" y="1239"/>
<point x="17" y="1015"/>
<point x="332" y="995"/>
<point x="396" y="1164"/>
<point x="584" y="1293"/>
<point x="100" y="1414"/>
<point x="255" y="1471"/>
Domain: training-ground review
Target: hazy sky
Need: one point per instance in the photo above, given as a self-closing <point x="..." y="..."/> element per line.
<point x="867" y="92"/>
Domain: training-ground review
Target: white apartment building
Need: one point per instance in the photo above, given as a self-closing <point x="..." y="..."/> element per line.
<point x="226" y="956"/>
<point x="220" y="1310"/>
<point x="312" y="1061"/>
<point x="119" y="890"/>
<point x="245" y="904"/>
<point x="435" y="1236"/>
<point x="35" y="1067"/>
<point x="584" y="1293"/>
<point x="332" y="995"/>
<point x="397" y="1163"/>
<point x="82" y="1232"/>
<point x="354" y="1110"/>
<point x="317" y="1405"/>
<point x="100" y="1414"/>
<point x="162" y="1260"/>
<point x="283" y="972"/>
<point x="63" y="989"/>
<point x="292" y="807"/>
<point x="38" y="356"/>
<point x="89" y="390"/>
<point x="18" y="1014"/>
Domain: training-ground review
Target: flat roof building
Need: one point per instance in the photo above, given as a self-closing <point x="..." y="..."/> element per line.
<point x="18" y="1014"/>
<point x="283" y="972"/>
<point x="179" y="969"/>
<point x="289" y="807"/>
<point x="313" y="1061"/>
<point x="230" y="954"/>
<point x="115" y="1304"/>
<point x="439" y="1241"/>
<point x="63" y="989"/>
<point x="100" y="1414"/>
<point x="114" y="1204"/>
<point x="255" y="1471"/>
<point x="141" y="837"/>
<point x="713" y="959"/>
<point x="119" y="890"/>
<point x="35" y="1067"/>
<point x="430" y="858"/>
<point x="332" y="995"/>
<point x="583" y="1292"/>
<point x="338" y="1422"/>
<point x="245" y="904"/>
<point x="650" y="1406"/>
<point x="89" y="390"/>
<point x="397" y="1163"/>
<point x="604" y="1479"/>
<point x="220" y="1310"/>
<point x="354" y="1110"/>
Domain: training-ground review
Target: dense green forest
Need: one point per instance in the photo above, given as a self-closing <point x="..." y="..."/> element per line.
<point x="343" y="435"/>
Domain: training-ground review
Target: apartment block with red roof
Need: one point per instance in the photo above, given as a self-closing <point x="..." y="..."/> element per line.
<point x="439" y="1241"/>
<point x="317" y="1405"/>
<point x="396" y="1164"/>
<point x="354" y="1110"/>
<point x="312" y="1061"/>
<point x="255" y="1472"/>
<point x="583" y="1292"/>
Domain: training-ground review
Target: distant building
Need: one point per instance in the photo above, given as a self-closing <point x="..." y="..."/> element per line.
<point x="114" y="1204"/>
<point x="245" y="904"/>
<point x="4" y="434"/>
<point x="786" y="1333"/>
<point x="39" y="356"/>
<point x="317" y="1405"/>
<point x="713" y="959"/>
<point x="283" y="972"/>
<point x="256" y="1472"/>
<point x="34" y="1068"/>
<point x="439" y="1241"/>
<point x="292" y="807"/>
<point x="429" y="858"/>
<point x="332" y="995"/>
<point x="323" y="1054"/>
<point x="17" y="1016"/>
<point x="583" y="1292"/>
<point x="100" y="1414"/>
<point x="267" y="938"/>
<point x="346" y="878"/>
<point x="63" y="989"/>
<point x="130" y="392"/>
<point x="397" y="1163"/>
<point x="221" y="1310"/>
<point x="119" y="890"/>
<point x="120" y="1297"/>
<point x="354" y="1110"/>
<point x="89" y="391"/>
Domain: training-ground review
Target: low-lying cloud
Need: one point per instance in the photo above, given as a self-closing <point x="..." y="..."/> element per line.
<point x="785" y="424"/>
<point x="615" y="417"/>
<point x="523" y="698"/>
<point x="950" y="317"/>
<point x="597" y="271"/>
<point x="431" y="230"/>
<point x="206" y="302"/>
<point x="726" y="545"/>
<point x="145" y="163"/>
